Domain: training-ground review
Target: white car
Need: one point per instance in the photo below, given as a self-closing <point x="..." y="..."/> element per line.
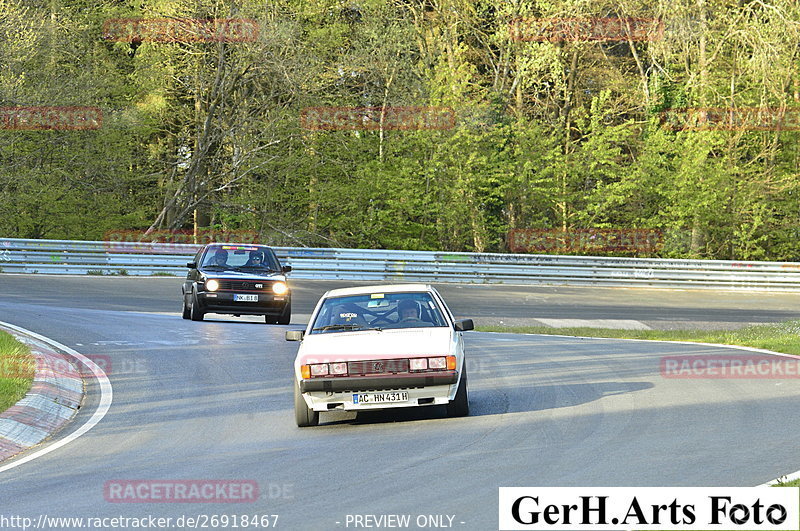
<point x="378" y="347"/>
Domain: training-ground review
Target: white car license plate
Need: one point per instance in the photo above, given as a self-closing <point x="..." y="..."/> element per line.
<point x="380" y="398"/>
<point x="245" y="298"/>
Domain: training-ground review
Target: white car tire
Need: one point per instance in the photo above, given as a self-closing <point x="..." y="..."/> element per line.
<point x="459" y="406"/>
<point x="303" y="415"/>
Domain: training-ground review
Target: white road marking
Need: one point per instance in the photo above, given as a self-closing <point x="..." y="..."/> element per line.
<point x="106" y="397"/>
<point x="625" y="324"/>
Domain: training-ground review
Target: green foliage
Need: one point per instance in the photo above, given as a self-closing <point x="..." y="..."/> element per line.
<point x="548" y="135"/>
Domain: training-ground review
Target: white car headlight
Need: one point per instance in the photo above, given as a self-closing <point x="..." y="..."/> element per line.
<point x="437" y="363"/>
<point x="338" y="368"/>
<point x="418" y="364"/>
<point x="319" y="369"/>
<point x="280" y="288"/>
<point x="212" y="285"/>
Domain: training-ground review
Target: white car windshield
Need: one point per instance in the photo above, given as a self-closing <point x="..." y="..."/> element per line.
<point x="380" y="311"/>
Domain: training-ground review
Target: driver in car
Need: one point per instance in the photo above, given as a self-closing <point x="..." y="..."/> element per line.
<point x="408" y="310"/>
<point x="220" y="258"/>
<point x="256" y="259"/>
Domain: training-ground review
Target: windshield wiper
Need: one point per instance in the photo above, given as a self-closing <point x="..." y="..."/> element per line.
<point x="337" y="327"/>
<point x="346" y="327"/>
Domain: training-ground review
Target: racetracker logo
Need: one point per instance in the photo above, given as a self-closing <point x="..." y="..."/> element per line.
<point x="584" y="240"/>
<point x="649" y="508"/>
<point x="50" y="118"/>
<point x="589" y="29"/>
<point x="52" y="367"/>
<point x="376" y="118"/>
<point x="180" y="30"/>
<point x="731" y="119"/>
<point x="162" y="241"/>
<point x="737" y="366"/>
<point x="181" y="491"/>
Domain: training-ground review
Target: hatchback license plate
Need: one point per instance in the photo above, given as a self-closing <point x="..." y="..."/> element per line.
<point x="245" y="298"/>
<point x="380" y="398"/>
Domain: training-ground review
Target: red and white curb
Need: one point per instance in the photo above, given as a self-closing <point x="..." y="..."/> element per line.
<point x="53" y="400"/>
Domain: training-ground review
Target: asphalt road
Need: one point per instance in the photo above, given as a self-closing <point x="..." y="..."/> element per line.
<point x="488" y="304"/>
<point x="212" y="400"/>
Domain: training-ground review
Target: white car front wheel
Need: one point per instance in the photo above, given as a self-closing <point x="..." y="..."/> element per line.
<point x="303" y="415"/>
<point x="459" y="406"/>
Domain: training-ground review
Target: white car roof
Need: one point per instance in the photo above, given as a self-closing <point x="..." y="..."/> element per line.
<point x="382" y="288"/>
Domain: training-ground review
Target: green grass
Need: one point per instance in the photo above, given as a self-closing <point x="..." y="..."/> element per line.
<point x="16" y="370"/>
<point x="780" y="337"/>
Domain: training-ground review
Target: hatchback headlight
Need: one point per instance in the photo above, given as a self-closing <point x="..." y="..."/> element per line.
<point x="212" y="285"/>
<point x="280" y="288"/>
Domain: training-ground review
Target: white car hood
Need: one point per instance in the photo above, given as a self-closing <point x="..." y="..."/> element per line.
<point x="372" y="344"/>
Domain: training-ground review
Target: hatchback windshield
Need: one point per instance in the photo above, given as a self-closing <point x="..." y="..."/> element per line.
<point x="239" y="257"/>
<point x="378" y="311"/>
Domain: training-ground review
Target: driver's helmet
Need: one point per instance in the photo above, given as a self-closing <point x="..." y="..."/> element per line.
<point x="405" y="305"/>
<point x="257" y="257"/>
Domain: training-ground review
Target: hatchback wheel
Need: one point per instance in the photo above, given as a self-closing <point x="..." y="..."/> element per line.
<point x="195" y="313"/>
<point x="186" y="312"/>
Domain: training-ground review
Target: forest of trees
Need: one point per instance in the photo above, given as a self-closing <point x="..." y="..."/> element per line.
<point x="553" y="133"/>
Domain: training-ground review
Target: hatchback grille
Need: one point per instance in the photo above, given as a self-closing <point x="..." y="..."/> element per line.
<point x="377" y="366"/>
<point x="248" y="285"/>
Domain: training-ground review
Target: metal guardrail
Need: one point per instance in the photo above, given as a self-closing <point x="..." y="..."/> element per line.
<point x="118" y="258"/>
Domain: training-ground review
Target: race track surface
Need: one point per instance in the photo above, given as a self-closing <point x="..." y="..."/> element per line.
<point x="213" y="400"/>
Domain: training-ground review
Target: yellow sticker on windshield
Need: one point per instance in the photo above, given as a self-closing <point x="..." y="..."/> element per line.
<point x="377" y="296"/>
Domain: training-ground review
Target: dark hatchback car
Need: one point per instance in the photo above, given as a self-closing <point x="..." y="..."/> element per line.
<point x="237" y="279"/>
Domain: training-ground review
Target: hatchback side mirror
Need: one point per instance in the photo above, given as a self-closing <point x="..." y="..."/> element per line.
<point x="192" y="265"/>
<point x="463" y="325"/>
<point x="286" y="269"/>
<point x="295" y="335"/>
